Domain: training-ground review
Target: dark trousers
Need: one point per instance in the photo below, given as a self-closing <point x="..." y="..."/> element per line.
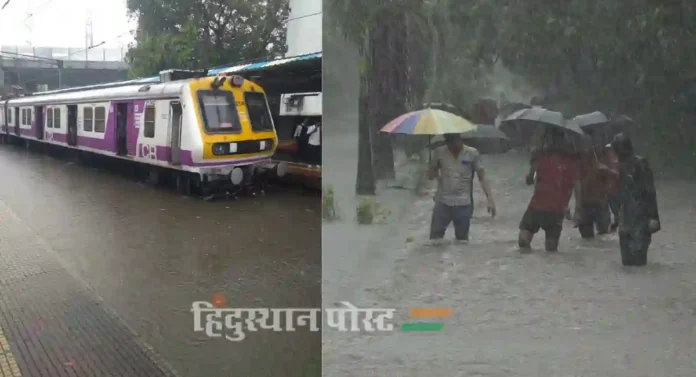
<point x="634" y="245"/>
<point x="594" y="215"/>
<point x="443" y="215"/>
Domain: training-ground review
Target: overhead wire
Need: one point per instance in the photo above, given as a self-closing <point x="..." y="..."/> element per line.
<point x="73" y="53"/>
<point x="304" y="16"/>
<point x="52" y="75"/>
<point x="33" y="12"/>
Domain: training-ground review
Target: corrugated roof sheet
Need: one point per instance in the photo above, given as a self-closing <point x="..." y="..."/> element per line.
<point x="211" y="72"/>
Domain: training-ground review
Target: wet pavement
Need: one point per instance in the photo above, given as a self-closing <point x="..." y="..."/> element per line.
<point x="574" y="313"/>
<point x="148" y="253"/>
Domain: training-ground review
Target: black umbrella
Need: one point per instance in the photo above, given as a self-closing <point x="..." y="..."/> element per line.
<point x="602" y="125"/>
<point x="590" y="120"/>
<point x="444" y="107"/>
<point x="599" y="119"/>
<point x="509" y="108"/>
<point x="523" y="124"/>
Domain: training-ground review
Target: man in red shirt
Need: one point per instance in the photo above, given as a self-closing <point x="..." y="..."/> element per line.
<point x="596" y="177"/>
<point x="557" y="176"/>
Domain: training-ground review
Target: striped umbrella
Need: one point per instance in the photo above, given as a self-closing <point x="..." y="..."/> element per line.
<point x="428" y="122"/>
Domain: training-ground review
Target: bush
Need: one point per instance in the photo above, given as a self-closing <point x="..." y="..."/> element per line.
<point x="365" y="211"/>
<point x="369" y="211"/>
<point x="328" y="201"/>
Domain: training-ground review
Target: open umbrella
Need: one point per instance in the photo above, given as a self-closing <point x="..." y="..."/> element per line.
<point x="509" y="108"/>
<point x="599" y="119"/>
<point x="593" y="119"/>
<point x="428" y="122"/>
<point x="450" y="108"/>
<point x="523" y="124"/>
<point x="482" y="131"/>
<point x="601" y="124"/>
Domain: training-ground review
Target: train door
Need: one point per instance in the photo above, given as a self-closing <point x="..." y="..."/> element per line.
<point x="8" y="119"/>
<point x="39" y="116"/>
<point x="72" y="125"/>
<point x="175" y="118"/>
<point x="16" y="119"/>
<point x="122" y="129"/>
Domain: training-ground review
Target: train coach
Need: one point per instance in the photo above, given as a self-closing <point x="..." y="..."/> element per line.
<point x="210" y="131"/>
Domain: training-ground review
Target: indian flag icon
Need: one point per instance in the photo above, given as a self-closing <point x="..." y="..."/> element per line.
<point x="426" y="319"/>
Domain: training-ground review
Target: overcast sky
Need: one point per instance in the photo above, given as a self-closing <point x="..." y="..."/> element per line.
<point x="61" y="23"/>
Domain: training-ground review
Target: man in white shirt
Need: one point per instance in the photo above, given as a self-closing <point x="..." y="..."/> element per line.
<point x="455" y="165"/>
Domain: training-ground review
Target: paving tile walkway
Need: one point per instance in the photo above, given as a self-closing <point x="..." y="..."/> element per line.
<point x="52" y="324"/>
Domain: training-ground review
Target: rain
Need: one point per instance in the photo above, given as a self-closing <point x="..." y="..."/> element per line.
<point x="521" y="70"/>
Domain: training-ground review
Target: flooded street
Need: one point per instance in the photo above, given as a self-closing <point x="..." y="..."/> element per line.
<point x="578" y="312"/>
<point x="149" y="253"/>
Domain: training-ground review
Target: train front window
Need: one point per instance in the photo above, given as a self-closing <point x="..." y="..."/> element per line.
<point x="219" y="111"/>
<point x="259" y="113"/>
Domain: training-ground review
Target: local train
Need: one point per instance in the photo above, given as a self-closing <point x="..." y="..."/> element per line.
<point x="208" y="130"/>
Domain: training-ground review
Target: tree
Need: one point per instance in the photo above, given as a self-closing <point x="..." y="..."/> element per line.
<point x="631" y="57"/>
<point x="194" y="34"/>
<point x="390" y="36"/>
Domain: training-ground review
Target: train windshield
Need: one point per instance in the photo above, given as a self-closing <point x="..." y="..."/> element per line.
<point x="219" y="111"/>
<point x="259" y="113"/>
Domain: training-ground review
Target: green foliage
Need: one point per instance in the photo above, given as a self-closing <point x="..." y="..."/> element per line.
<point x="365" y="211"/>
<point x="632" y="57"/>
<point x="329" y="205"/>
<point x="370" y="211"/>
<point x="636" y="58"/>
<point x="194" y="34"/>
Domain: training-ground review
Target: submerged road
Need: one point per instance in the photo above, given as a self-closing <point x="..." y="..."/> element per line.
<point x="574" y="313"/>
<point x="149" y="253"/>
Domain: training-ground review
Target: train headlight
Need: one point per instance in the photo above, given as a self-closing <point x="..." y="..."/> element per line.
<point x="236" y="81"/>
<point x="220" y="149"/>
<point x="236" y="176"/>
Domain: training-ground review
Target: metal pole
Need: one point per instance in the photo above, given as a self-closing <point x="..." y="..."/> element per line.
<point x="60" y="78"/>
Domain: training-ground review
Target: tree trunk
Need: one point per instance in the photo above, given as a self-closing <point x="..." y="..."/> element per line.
<point x="387" y="94"/>
<point x="365" y="180"/>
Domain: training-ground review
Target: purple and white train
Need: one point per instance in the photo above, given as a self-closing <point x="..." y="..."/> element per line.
<point x="209" y="129"/>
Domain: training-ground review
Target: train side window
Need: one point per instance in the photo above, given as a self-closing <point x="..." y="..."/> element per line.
<point x="49" y="118"/>
<point x="24" y="116"/>
<point x="88" y="118"/>
<point x="56" y="117"/>
<point x="149" y="130"/>
<point x="99" y="119"/>
<point x="30" y="116"/>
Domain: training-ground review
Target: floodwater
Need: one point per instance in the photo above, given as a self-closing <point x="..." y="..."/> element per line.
<point x="577" y="312"/>
<point x="149" y="253"/>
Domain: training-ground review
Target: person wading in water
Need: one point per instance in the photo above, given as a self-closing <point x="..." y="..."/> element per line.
<point x="610" y="159"/>
<point x="557" y="176"/>
<point x="595" y="177"/>
<point x="454" y="165"/>
<point x="638" y="214"/>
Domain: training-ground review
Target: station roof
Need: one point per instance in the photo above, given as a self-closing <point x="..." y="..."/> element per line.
<point x="281" y="66"/>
